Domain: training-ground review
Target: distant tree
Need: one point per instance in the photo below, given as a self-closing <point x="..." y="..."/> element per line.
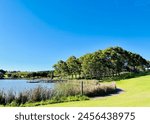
<point x="51" y="74"/>
<point x="32" y="75"/>
<point x="148" y="63"/>
<point x="9" y="75"/>
<point x="2" y="73"/>
<point x="15" y="76"/>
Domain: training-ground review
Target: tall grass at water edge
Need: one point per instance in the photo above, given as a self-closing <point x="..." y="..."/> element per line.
<point x="62" y="92"/>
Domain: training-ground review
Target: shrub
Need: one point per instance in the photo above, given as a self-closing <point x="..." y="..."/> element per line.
<point x="77" y="98"/>
<point x="14" y="103"/>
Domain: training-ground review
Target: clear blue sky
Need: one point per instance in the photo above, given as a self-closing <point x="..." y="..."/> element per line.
<point x="35" y="34"/>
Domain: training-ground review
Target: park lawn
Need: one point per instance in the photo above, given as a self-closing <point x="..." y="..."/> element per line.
<point x="136" y="94"/>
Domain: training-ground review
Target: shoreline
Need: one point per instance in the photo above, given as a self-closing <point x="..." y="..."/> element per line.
<point x="40" y="80"/>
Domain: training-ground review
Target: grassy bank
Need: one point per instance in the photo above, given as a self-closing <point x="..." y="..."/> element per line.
<point x="136" y="93"/>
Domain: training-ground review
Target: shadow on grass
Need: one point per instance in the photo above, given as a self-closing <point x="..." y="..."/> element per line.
<point x="116" y="92"/>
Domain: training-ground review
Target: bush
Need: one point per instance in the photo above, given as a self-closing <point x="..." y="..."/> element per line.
<point x="14" y="103"/>
<point x="77" y="98"/>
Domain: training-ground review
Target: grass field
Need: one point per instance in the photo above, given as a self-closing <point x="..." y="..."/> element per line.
<point x="136" y="94"/>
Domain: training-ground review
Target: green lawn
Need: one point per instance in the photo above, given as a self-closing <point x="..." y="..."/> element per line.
<point x="136" y="93"/>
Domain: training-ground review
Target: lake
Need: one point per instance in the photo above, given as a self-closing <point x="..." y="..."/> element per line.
<point x="21" y="85"/>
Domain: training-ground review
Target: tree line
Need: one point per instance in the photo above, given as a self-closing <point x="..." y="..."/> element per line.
<point x="110" y="62"/>
<point x="21" y="74"/>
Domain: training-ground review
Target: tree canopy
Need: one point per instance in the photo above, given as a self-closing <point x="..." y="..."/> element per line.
<point x="103" y="63"/>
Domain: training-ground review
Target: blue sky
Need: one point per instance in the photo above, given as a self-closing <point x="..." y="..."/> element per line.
<point x="35" y="34"/>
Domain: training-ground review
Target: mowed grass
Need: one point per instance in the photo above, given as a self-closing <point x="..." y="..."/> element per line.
<point x="136" y="93"/>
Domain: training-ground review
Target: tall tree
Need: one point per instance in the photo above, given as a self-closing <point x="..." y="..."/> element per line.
<point x="87" y="65"/>
<point x="61" y="68"/>
<point x="103" y="63"/>
<point x="74" y="66"/>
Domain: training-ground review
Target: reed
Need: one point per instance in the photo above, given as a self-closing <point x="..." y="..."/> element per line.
<point x="62" y="92"/>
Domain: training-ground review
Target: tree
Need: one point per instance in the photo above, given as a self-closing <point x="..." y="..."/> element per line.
<point x="74" y="66"/>
<point x="61" y="68"/>
<point x="87" y="65"/>
<point x="110" y="62"/>
<point x="148" y="64"/>
<point x="51" y="74"/>
<point x="2" y="73"/>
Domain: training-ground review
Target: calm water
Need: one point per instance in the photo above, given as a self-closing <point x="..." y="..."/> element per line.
<point x="21" y="85"/>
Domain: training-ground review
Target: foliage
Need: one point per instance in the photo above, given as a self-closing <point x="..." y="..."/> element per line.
<point x="74" y="66"/>
<point x="110" y="62"/>
<point x="19" y="74"/>
<point x="61" y="68"/>
<point x="2" y="72"/>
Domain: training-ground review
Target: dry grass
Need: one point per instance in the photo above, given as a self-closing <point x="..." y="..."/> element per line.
<point x="32" y="95"/>
<point x="60" y="93"/>
<point x="90" y="89"/>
